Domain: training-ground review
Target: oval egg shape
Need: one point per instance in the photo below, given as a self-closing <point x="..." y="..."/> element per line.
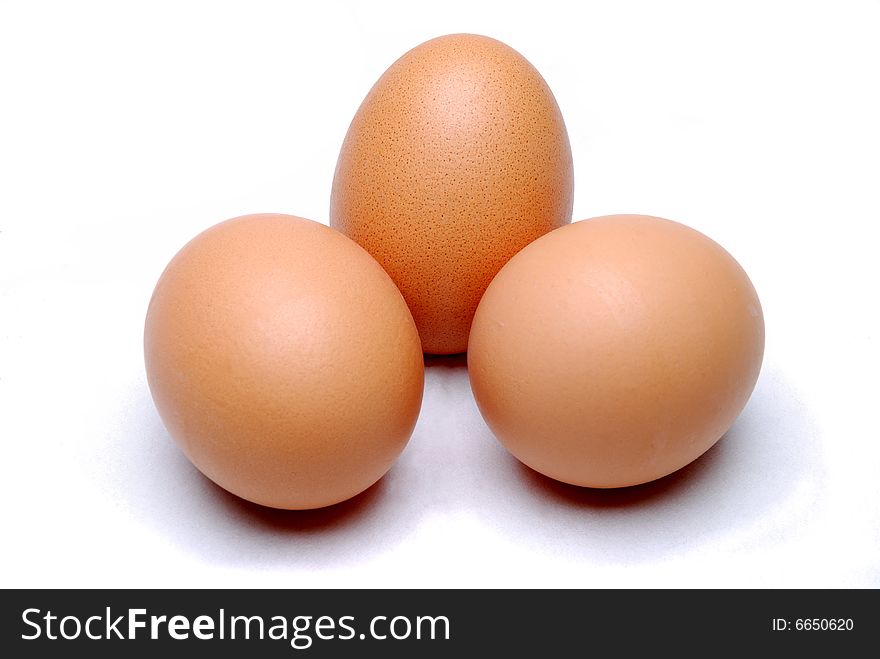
<point x="283" y="361"/>
<point x="457" y="158"/>
<point x="614" y="351"/>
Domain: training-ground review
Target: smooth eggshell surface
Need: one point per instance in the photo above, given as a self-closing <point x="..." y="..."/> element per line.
<point x="616" y="350"/>
<point x="457" y="158"/>
<point x="283" y="360"/>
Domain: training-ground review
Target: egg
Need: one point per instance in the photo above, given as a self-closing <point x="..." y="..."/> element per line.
<point x="457" y="158"/>
<point x="283" y="360"/>
<point x="614" y="351"/>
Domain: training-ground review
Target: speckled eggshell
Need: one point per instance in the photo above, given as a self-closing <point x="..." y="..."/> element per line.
<point x="457" y="158"/>
<point x="616" y="350"/>
<point x="283" y="361"/>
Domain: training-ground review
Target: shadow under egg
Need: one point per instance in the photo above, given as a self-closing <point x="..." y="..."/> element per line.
<point x="165" y="491"/>
<point x="631" y="496"/>
<point x="748" y="476"/>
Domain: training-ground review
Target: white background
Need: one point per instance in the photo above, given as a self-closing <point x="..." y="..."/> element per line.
<point x="127" y="128"/>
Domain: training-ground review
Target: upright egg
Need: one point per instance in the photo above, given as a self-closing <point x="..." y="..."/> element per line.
<point x="457" y="158"/>
<point x="614" y="351"/>
<point x="283" y="361"/>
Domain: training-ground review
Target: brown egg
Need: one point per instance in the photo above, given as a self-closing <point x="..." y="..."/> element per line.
<point x="457" y="158"/>
<point x="614" y="351"/>
<point x="283" y="361"/>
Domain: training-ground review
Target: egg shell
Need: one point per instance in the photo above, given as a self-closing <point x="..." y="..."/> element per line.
<point x="283" y="361"/>
<point x="457" y="158"/>
<point x="614" y="351"/>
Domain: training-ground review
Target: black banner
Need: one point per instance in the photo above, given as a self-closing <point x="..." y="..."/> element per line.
<point x="319" y="623"/>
